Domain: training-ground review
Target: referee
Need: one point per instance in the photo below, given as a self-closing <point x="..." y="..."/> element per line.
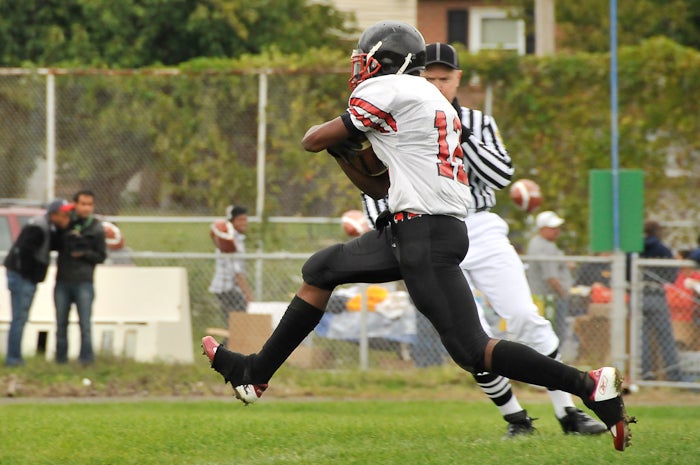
<point x="492" y="265"/>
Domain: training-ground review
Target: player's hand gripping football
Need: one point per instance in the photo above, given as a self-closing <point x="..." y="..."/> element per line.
<point x="349" y="148"/>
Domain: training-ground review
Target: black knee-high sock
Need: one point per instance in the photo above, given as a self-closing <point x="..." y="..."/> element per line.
<point x="296" y="323"/>
<point x="496" y="387"/>
<point x="521" y="363"/>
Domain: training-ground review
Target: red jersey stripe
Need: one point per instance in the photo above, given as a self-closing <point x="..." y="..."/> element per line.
<point x="374" y="111"/>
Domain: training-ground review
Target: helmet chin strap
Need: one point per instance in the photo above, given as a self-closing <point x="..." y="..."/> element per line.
<point x="405" y="64"/>
<point x="373" y="50"/>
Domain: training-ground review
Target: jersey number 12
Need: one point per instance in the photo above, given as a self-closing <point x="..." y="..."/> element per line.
<point x="446" y="160"/>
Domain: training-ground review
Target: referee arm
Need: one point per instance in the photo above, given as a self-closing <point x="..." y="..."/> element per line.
<point x="487" y="156"/>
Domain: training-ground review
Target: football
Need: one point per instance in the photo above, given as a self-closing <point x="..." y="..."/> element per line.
<point x="354" y="223"/>
<point x="366" y="161"/>
<point x="526" y="195"/>
<point x="113" y="236"/>
<point x="222" y="235"/>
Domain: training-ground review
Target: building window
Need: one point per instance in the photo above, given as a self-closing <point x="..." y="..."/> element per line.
<point x="457" y="26"/>
<point x="494" y="28"/>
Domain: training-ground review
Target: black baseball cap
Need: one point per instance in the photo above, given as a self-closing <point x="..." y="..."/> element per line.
<point x="439" y="53"/>
<point x="59" y="205"/>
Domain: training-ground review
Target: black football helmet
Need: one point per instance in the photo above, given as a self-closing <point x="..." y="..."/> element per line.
<point x="388" y="47"/>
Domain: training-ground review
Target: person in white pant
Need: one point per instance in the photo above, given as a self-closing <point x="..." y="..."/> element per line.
<point x="492" y="264"/>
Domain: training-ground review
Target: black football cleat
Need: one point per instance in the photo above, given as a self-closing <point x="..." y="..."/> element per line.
<point x="519" y="424"/>
<point x="578" y="422"/>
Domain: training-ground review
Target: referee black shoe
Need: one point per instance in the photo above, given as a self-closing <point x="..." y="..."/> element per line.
<point x="519" y="424"/>
<point x="578" y="422"/>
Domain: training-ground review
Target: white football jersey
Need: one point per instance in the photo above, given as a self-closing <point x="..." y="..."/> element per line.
<point x="415" y="131"/>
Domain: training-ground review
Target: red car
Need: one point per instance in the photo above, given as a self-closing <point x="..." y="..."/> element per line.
<point x="12" y="219"/>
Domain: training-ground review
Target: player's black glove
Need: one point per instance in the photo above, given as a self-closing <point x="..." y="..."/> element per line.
<point x="345" y="149"/>
<point x="383" y="220"/>
<point x="466" y="132"/>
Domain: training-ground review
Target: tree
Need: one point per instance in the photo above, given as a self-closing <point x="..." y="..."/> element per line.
<point x="137" y="33"/>
<point x="554" y="115"/>
<point x="585" y="26"/>
<point x="107" y="131"/>
<point x="22" y="134"/>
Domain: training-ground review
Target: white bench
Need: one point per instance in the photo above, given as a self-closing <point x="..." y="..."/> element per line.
<point x="141" y="313"/>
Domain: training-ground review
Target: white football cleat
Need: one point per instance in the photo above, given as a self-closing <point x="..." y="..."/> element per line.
<point x="606" y="401"/>
<point x="249" y="393"/>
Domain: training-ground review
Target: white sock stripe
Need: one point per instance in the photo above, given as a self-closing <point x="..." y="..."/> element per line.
<point x="500" y="380"/>
<point x="496" y="390"/>
<point x="495" y="394"/>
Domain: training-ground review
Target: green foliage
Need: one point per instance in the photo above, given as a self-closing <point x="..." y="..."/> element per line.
<point x="191" y="138"/>
<point x="585" y="26"/>
<point x="21" y="132"/>
<point x="136" y="33"/>
<point x="554" y="113"/>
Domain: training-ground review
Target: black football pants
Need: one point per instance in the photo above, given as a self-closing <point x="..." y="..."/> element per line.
<point x="425" y="252"/>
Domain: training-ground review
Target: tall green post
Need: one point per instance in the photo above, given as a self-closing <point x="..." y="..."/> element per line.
<point x="625" y="236"/>
<point x="601" y="227"/>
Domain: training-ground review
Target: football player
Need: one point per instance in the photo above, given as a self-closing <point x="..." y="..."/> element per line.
<point x="421" y="239"/>
<point x="492" y="265"/>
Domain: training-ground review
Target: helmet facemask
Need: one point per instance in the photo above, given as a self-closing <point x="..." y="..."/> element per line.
<point x="363" y="65"/>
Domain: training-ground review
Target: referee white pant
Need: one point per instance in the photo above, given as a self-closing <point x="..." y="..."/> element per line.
<point x="493" y="266"/>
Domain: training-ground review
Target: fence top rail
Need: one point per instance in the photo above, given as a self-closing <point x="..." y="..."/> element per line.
<point x="209" y="219"/>
<point x="667" y="262"/>
<point x="565" y="258"/>
<point x="212" y="255"/>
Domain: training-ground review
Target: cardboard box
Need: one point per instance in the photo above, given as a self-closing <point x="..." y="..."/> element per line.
<point x="603" y="310"/>
<point x="308" y="356"/>
<point x="687" y="335"/>
<point x="594" y="339"/>
<point x="248" y="332"/>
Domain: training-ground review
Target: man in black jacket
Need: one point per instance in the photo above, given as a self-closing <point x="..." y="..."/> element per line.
<point x="80" y="249"/>
<point x="656" y="318"/>
<point x="26" y="264"/>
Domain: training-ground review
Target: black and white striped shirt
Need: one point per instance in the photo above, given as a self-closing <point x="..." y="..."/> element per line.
<point x="372" y="208"/>
<point x="486" y="159"/>
<point x="488" y="164"/>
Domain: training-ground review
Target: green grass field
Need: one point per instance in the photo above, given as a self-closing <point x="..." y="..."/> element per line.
<point x="194" y="237"/>
<point x="321" y="432"/>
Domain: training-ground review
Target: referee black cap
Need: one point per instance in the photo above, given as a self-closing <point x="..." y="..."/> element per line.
<point x="439" y="53"/>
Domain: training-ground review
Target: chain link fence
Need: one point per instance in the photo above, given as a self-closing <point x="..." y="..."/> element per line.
<point x="376" y="326"/>
<point x="663" y="329"/>
<point x="665" y="322"/>
<point x="169" y="142"/>
<point x="162" y="144"/>
<point x="165" y="142"/>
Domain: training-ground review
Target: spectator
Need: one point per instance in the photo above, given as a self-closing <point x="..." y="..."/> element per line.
<point x="591" y="273"/>
<point x="80" y="249"/>
<point x="592" y="285"/>
<point x="550" y="280"/>
<point x="26" y="264"/>
<point x="229" y="282"/>
<point x="656" y="318"/>
<point x="695" y="253"/>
